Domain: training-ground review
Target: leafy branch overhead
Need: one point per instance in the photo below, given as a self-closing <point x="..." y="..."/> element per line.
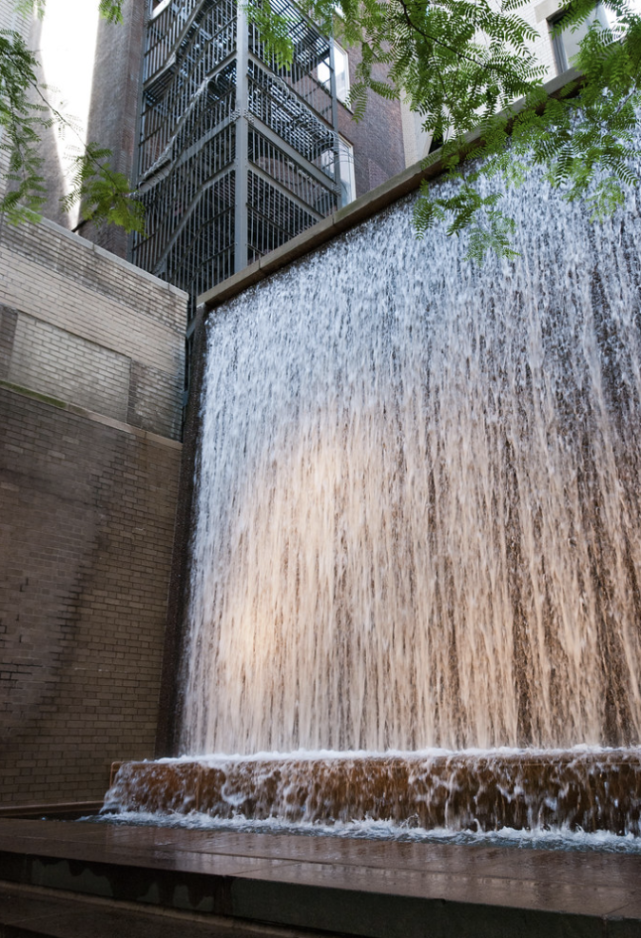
<point x="21" y="123"/>
<point x="468" y="69"/>
<point x="104" y="195"/>
<point x="25" y="112"/>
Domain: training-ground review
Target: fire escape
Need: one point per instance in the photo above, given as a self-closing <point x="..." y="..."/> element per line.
<point x="236" y="155"/>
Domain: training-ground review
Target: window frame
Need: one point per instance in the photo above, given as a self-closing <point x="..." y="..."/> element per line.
<point x="324" y="66"/>
<point x="338" y="49"/>
<point x="561" y="59"/>
<point x="348" y="149"/>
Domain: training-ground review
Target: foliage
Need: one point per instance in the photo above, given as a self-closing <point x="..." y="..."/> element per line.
<point x="21" y="122"/>
<point x="467" y="68"/>
<point x="105" y="195"/>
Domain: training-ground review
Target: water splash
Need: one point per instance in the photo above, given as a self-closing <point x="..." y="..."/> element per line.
<point x="584" y="789"/>
<point x="418" y="515"/>
<point x="553" y="839"/>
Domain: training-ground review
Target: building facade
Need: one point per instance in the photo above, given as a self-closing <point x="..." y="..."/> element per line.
<point x="164" y="84"/>
<point x="182" y="92"/>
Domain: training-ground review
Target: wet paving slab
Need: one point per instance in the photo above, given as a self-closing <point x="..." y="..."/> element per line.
<point x="350" y="887"/>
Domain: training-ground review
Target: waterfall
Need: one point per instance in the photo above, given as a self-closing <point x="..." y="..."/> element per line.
<point x="418" y="510"/>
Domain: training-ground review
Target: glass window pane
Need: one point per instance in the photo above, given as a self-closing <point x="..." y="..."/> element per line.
<point x="345" y="169"/>
<point x="346" y="163"/>
<point x="323" y="73"/>
<point x="341" y="64"/>
<point x="568" y="41"/>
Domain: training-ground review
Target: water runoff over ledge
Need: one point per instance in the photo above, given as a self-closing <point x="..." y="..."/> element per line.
<point x="418" y="516"/>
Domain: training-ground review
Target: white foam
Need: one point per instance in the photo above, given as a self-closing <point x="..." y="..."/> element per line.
<point x="553" y="839"/>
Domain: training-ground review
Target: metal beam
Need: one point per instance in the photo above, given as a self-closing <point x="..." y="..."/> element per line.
<point x="242" y="132"/>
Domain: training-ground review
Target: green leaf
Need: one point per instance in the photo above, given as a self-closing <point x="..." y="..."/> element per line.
<point x="105" y="195"/>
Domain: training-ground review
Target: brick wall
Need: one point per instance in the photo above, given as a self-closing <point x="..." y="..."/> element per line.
<point x="113" y="117"/>
<point x="90" y="393"/>
<point x="79" y="324"/>
<point x="377" y="138"/>
<point x="108" y="60"/>
<point x="11" y="18"/>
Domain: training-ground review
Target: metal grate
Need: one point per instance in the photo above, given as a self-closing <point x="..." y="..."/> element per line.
<point x="164" y="32"/>
<point x="276" y="106"/>
<point x="311" y="49"/>
<point x="273" y="218"/>
<point x="203" y="252"/>
<point x="178" y="89"/>
<point x="173" y="199"/>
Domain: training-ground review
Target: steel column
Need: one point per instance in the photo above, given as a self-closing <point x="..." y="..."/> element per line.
<point x="242" y="160"/>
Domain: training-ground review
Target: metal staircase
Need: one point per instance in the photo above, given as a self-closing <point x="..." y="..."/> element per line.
<point x="236" y="155"/>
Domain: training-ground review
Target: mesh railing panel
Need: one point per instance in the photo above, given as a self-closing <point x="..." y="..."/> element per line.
<point x="175" y="197"/>
<point x="203" y="253"/>
<point x="275" y="163"/>
<point x="207" y="110"/>
<point x="310" y="49"/>
<point x="163" y="32"/>
<point x="167" y="31"/>
<point x="272" y="218"/>
<point x="275" y="105"/>
<point x="188" y="154"/>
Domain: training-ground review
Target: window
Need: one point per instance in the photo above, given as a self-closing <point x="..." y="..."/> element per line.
<point x="345" y="169"/>
<point x="157" y="6"/>
<point x="341" y="67"/>
<point x="566" y="42"/>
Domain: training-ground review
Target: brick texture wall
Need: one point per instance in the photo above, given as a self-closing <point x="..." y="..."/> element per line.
<point x="113" y="113"/>
<point x="377" y="138"/>
<point x="110" y="63"/>
<point x="78" y="324"/>
<point x="90" y="396"/>
<point x="11" y="18"/>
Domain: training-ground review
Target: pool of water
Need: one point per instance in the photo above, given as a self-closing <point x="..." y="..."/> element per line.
<point x="540" y="839"/>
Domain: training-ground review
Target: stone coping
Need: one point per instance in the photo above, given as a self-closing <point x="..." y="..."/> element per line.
<point x="112" y="258"/>
<point x="362" y="209"/>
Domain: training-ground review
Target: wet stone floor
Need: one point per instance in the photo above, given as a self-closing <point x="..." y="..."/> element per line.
<point x="333" y="885"/>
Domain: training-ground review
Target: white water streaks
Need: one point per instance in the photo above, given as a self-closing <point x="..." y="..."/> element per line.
<point x="418" y="512"/>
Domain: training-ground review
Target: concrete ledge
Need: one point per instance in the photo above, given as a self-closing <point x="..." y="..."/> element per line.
<point x="68" y="810"/>
<point x="364" y="208"/>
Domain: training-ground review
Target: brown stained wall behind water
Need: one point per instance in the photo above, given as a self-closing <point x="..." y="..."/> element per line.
<point x="91" y="357"/>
